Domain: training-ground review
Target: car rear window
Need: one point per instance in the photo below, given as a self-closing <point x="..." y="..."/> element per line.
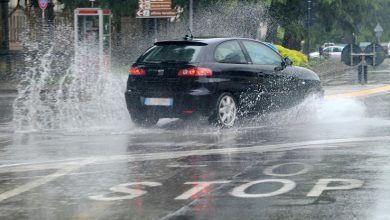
<point x="174" y="52"/>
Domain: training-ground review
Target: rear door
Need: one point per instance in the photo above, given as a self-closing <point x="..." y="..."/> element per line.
<point x="275" y="87"/>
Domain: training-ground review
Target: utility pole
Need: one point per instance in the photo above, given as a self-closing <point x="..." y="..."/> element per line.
<point x="308" y="26"/>
<point x="191" y="15"/>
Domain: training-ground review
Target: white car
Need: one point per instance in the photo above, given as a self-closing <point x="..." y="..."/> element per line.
<point x="332" y="52"/>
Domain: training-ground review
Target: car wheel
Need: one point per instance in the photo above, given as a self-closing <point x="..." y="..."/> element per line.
<point x="143" y="120"/>
<point x="225" y="113"/>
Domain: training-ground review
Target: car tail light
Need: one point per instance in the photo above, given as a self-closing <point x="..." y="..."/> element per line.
<point x="195" y="71"/>
<point x="135" y="71"/>
<point x="188" y="111"/>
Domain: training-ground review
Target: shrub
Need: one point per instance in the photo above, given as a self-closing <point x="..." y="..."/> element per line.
<point x="298" y="58"/>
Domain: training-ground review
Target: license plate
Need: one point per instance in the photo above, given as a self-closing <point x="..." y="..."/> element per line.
<point x="158" y="101"/>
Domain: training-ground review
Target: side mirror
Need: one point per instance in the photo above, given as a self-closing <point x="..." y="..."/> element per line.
<point x="288" y="61"/>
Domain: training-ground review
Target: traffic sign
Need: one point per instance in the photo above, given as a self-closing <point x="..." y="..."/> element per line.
<point x="375" y="54"/>
<point x="43" y="4"/>
<point x="378" y="28"/>
<point x="155" y="9"/>
<point x="351" y="55"/>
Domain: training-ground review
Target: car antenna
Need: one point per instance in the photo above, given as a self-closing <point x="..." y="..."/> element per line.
<point x="189" y="37"/>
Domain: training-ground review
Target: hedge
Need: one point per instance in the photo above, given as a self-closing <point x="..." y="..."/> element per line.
<point x="298" y="58"/>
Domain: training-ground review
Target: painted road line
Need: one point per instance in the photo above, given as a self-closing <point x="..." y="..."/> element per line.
<point x="25" y="167"/>
<point x="184" y="166"/>
<point x="360" y="93"/>
<point x="379" y="71"/>
<point x="331" y="143"/>
<point x="67" y="168"/>
<point x="31" y="185"/>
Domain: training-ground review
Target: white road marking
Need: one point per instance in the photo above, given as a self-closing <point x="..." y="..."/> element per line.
<point x="239" y="191"/>
<point x="179" y="154"/>
<point x="124" y="188"/>
<point x="31" y="185"/>
<point x="184" y="166"/>
<point x="322" y="185"/>
<point x="270" y="170"/>
<point x="199" y="186"/>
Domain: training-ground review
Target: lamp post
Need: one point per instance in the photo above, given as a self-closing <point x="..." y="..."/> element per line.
<point x="191" y="15"/>
<point x="308" y="26"/>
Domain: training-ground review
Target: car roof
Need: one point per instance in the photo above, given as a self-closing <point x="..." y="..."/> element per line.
<point x="335" y="46"/>
<point x="205" y="40"/>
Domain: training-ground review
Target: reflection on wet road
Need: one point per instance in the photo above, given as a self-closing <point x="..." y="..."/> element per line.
<point x="321" y="160"/>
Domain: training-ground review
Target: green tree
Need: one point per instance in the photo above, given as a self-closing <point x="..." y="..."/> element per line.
<point x="335" y="19"/>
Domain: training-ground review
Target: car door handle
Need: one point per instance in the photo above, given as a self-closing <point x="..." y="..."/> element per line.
<point x="260" y="74"/>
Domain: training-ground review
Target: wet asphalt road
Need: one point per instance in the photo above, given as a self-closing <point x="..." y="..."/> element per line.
<point x="321" y="160"/>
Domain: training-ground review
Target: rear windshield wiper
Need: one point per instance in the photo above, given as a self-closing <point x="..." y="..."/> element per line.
<point x="174" y="61"/>
<point x="164" y="61"/>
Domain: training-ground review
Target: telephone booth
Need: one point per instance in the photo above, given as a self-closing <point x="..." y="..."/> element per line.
<point x="92" y="39"/>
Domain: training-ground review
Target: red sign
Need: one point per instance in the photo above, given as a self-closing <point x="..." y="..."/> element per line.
<point x="43" y="4"/>
<point x="160" y="6"/>
<point x="87" y="11"/>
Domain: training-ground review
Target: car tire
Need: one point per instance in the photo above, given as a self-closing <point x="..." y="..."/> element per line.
<point x="143" y="120"/>
<point x="225" y="112"/>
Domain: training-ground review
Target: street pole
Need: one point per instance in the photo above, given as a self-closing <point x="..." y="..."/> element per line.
<point x="191" y="15"/>
<point x="308" y="26"/>
<point x="155" y="30"/>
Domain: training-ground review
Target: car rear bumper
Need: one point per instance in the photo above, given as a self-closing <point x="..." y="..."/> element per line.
<point x="196" y="102"/>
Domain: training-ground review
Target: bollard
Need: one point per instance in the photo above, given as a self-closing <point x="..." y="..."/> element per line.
<point x="365" y="68"/>
<point x="362" y="74"/>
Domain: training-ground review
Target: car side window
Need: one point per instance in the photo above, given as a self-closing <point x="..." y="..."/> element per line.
<point x="262" y="54"/>
<point x="229" y="52"/>
<point x="327" y="50"/>
<point x="336" y="49"/>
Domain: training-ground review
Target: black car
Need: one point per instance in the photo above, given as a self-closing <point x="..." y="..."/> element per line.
<point x="220" y="78"/>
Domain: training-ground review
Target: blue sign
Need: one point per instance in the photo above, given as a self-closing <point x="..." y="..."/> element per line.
<point x="43" y="4"/>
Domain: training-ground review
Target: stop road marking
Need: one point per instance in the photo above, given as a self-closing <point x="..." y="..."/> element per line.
<point x="238" y="191"/>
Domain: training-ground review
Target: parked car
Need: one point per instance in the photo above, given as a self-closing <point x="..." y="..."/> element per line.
<point x="332" y="52"/>
<point x="363" y="45"/>
<point x="219" y="78"/>
<point x="328" y="44"/>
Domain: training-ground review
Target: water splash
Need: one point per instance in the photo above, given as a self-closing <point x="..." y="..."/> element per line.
<point x="55" y="95"/>
<point x="319" y="111"/>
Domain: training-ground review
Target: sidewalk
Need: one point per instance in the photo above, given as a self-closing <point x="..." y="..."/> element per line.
<point x="332" y="92"/>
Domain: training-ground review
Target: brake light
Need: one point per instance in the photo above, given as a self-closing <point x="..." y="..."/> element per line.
<point x="195" y="71"/>
<point x="134" y="71"/>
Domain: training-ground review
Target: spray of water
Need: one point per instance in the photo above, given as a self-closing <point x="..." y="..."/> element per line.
<point x="55" y="95"/>
<point x="316" y="110"/>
